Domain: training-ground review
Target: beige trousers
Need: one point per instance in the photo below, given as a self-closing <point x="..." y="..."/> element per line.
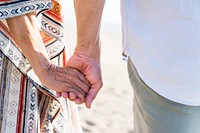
<point x="156" y="114"/>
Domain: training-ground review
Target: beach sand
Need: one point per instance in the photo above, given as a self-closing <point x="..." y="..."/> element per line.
<point x="111" y="111"/>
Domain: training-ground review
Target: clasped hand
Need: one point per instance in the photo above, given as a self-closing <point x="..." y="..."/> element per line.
<point x="80" y="80"/>
<point x="68" y="82"/>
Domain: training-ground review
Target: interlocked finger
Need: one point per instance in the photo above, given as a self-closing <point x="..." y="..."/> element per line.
<point x="70" y="80"/>
<point x="75" y="76"/>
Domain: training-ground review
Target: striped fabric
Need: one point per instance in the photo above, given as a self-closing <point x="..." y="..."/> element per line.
<point x="25" y="105"/>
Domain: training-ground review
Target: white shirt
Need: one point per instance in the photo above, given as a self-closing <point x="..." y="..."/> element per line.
<point x="162" y="38"/>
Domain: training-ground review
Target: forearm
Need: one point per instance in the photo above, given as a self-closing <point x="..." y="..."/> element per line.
<point x="88" y="16"/>
<point x="25" y="32"/>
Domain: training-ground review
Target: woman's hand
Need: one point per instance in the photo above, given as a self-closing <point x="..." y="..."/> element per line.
<point x="67" y="80"/>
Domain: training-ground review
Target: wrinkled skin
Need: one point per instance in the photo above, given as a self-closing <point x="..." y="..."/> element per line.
<point x="66" y="79"/>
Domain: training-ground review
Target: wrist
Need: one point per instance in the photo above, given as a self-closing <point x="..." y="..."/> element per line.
<point x="40" y="65"/>
<point x="89" y="50"/>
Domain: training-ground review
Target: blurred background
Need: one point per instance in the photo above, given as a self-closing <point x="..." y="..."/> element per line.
<point x="112" y="108"/>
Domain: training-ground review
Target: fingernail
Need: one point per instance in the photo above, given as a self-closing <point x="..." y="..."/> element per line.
<point x="88" y="105"/>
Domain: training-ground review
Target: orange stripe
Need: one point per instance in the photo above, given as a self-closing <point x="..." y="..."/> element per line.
<point x="64" y="57"/>
<point x="54" y="16"/>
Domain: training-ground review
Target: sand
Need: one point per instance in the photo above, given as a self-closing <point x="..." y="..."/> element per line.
<point x="111" y="111"/>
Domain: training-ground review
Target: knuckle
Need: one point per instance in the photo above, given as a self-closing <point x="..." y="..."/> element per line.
<point x="69" y="77"/>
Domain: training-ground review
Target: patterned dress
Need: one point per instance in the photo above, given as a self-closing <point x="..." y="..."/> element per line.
<point x="25" y="105"/>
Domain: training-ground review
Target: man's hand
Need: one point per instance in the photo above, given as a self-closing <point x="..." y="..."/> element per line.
<point x="92" y="71"/>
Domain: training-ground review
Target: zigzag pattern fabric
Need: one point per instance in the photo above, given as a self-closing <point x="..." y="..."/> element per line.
<point x="25" y="105"/>
<point x="11" y="8"/>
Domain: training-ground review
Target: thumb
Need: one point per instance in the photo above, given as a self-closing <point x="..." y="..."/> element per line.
<point x="92" y="95"/>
